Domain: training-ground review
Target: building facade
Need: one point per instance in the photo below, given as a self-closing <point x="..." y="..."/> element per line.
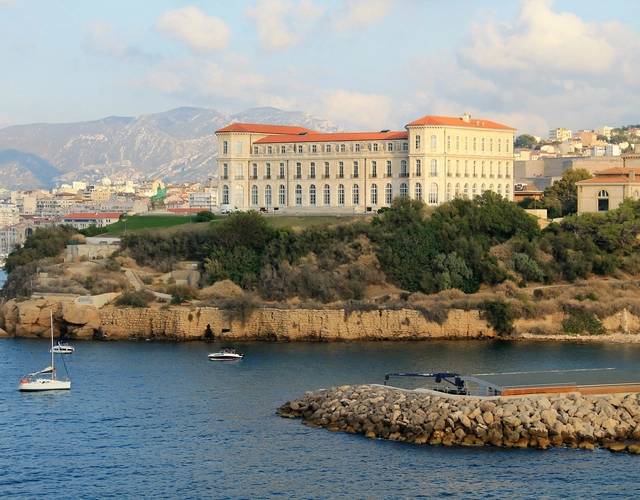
<point x="277" y="168"/>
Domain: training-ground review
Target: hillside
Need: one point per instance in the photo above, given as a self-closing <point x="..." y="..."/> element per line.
<point x="177" y="146"/>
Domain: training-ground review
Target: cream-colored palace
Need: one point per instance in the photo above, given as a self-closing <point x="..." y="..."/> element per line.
<point x="292" y="169"/>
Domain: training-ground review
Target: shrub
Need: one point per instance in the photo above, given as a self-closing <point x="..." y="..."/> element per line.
<point x="581" y="322"/>
<point x="134" y="299"/>
<point x="112" y="265"/>
<point x="499" y="315"/>
<point x="239" y="308"/>
<point x="181" y="293"/>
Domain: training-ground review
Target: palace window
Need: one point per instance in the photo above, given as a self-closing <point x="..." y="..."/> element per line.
<point x="225" y="194"/>
<point x="299" y="148"/>
<point x="356" y="194"/>
<point x="491" y="144"/>
<point x="448" y="194"/>
<point x="282" y="196"/>
<point x="405" y="146"/>
<point x="298" y="170"/>
<point x="448" y="142"/>
<point x="283" y="149"/>
<point x="341" y="170"/>
<point x="388" y="168"/>
<point x="357" y="148"/>
<point x="255" y="150"/>
<point x="343" y="148"/>
<point x="327" y="194"/>
<point x="270" y="150"/>
<point x="418" y="168"/>
<point x="418" y="191"/>
<point x="239" y="147"/>
<point x="314" y="149"/>
<point x="374" y="169"/>
<point x="374" y="194"/>
<point x="341" y="194"/>
<point x="390" y="146"/>
<point x="434" y="168"/>
<point x="433" y="194"/>
<point x="298" y="195"/>
<point x="328" y="148"/>
<point x="355" y="170"/>
<point x="267" y="196"/>
<point x="389" y="194"/>
<point x="475" y="144"/>
<point x="499" y="145"/>
<point x="225" y="147"/>
<point x="326" y="169"/>
<point x="466" y="191"/>
<point x="268" y="176"/>
<point x="312" y="170"/>
<point x="417" y="142"/>
<point x="375" y="146"/>
<point x="482" y="144"/>
<point x="404" y="190"/>
<point x="403" y="168"/>
<point x="457" y="142"/>
<point x="506" y="191"/>
<point x="312" y="194"/>
<point x="225" y="171"/>
<point x="254" y="195"/>
<point x="255" y="171"/>
<point x="434" y="141"/>
<point x="474" y="190"/>
<point x="282" y="170"/>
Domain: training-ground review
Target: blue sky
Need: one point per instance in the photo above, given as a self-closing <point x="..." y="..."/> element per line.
<point x="363" y="64"/>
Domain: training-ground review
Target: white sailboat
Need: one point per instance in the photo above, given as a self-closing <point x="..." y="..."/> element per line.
<point x="33" y="383"/>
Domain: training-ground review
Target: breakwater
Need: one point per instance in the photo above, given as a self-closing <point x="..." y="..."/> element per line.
<point x="429" y="417"/>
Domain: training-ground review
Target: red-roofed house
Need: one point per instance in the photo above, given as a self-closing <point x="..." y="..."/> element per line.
<point x="84" y="220"/>
<point x="271" y="167"/>
<point x="608" y="189"/>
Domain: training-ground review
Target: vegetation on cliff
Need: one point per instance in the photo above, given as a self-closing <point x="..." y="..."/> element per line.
<point x="467" y="245"/>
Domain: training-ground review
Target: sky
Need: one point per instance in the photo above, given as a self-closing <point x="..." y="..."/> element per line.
<point x="362" y="64"/>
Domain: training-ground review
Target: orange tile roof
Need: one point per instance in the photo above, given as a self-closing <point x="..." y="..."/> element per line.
<point x="458" y="122"/>
<point x="264" y="129"/>
<point x="346" y="137"/>
<point x="617" y="171"/>
<point x="88" y="215"/>
<point x="609" y="180"/>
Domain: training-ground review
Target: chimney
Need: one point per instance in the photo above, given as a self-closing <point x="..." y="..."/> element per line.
<point x="632" y="175"/>
<point x="466" y="118"/>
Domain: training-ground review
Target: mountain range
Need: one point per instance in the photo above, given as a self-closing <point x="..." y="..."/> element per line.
<point x="176" y="146"/>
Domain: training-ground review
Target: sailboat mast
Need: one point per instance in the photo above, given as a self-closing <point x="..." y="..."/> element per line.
<point x="53" y="371"/>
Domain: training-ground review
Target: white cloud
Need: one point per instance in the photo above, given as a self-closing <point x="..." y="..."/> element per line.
<point x="357" y="111"/>
<point x="539" y="39"/>
<point x="359" y="14"/>
<point x="101" y="38"/>
<point x="201" y="33"/>
<point x="282" y="25"/>
<point x="7" y="3"/>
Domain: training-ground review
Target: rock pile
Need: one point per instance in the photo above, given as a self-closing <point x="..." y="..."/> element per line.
<point x="423" y="416"/>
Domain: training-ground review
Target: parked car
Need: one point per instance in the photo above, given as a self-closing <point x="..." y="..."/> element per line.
<point x="225" y="208"/>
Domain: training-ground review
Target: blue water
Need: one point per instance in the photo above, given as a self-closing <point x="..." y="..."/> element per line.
<point x="158" y="420"/>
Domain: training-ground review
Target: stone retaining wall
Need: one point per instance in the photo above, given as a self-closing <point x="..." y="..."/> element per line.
<point x="429" y="417"/>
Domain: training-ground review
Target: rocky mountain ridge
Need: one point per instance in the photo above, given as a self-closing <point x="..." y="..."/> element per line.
<point x="177" y="146"/>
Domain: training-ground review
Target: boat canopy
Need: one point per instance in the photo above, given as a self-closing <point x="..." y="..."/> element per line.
<point x="48" y="369"/>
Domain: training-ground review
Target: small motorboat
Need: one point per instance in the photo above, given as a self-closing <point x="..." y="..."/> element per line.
<point x="226" y="354"/>
<point x="62" y="347"/>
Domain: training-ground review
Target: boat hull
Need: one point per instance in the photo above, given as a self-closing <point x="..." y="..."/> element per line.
<point x="44" y="384"/>
<point x="227" y="357"/>
<point x="62" y="350"/>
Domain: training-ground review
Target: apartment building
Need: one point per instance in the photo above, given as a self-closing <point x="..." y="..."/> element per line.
<point x="559" y="134"/>
<point x="436" y="158"/>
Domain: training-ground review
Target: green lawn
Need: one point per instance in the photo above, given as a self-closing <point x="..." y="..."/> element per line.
<point x="175" y="222"/>
<point x="139" y="222"/>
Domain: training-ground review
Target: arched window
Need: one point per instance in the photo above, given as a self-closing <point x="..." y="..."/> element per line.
<point x="499" y="191"/>
<point x="506" y="191"/>
<point x="356" y="194"/>
<point x="482" y="189"/>
<point x="491" y="187"/>
<point x="433" y="194"/>
<point x="374" y="194"/>
<point x="388" y="194"/>
<point x="434" y="142"/>
<point x="434" y="168"/>
<point x="327" y="194"/>
<point x="282" y="199"/>
<point x="404" y="190"/>
<point x="225" y="195"/>
<point x="466" y="191"/>
<point x="341" y="194"/>
<point x="448" y="195"/>
<point x="506" y="169"/>
<point x="254" y="195"/>
<point x="312" y="194"/>
<point x="603" y="201"/>
<point x="267" y="196"/>
<point x="298" y="194"/>
<point x="418" y="191"/>
<point x="457" y="191"/>
<point x="474" y="191"/>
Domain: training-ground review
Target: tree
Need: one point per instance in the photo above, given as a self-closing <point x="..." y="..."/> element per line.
<point x="204" y="216"/>
<point x="563" y="193"/>
<point x="525" y="141"/>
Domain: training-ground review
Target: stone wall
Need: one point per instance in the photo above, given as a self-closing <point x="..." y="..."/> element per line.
<point x="429" y="417"/>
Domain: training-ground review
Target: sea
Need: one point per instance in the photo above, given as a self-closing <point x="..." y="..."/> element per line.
<point x="158" y="420"/>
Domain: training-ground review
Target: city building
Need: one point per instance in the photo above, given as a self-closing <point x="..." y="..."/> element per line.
<point x="608" y="189"/>
<point x="280" y="168"/>
<point x="559" y="134"/>
<point x="84" y="220"/>
<point x="603" y="130"/>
